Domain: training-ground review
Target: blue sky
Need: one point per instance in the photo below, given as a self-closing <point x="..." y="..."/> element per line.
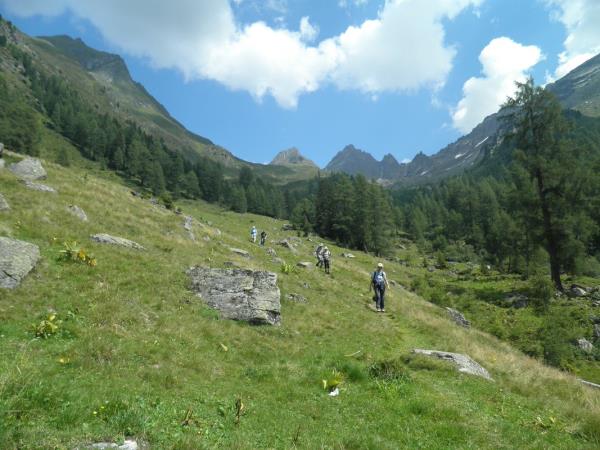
<point x="396" y="76"/>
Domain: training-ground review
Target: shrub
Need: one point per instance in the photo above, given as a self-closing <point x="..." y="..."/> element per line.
<point x="47" y="327"/>
<point x="73" y="252"/>
<point x="288" y="268"/>
<point x="388" y="370"/>
<point x="541" y="290"/>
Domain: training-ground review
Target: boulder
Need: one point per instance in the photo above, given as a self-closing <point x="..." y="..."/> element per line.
<point x="296" y="298"/>
<point x="28" y="169"/>
<point x="239" y="294"/>
<point x="104" y="238"/>
<point x="287" y="244"/>
<point x="458" y="318"/>
<point x="271" y="252"/>
<point x="348" y="255"/>
<point x="128" y="444"/>
<point x="17" y="259"/>
<point x="188" y="223"/>
<point x="239" y="251"/>
<point x="78" y="212"/>
<point x="304" y="264"/>
<point x="585" y="345"/>
<point x="464" y="363"/>
<point x="39" y="187"/>
<point x="3" y="204"/>
<point x="576" y="291"/>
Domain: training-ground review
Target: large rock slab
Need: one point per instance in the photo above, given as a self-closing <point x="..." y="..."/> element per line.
<point x="239" y="294"/>
<point x="39" y="187"/>
<point x="463" y="362"/>
<point x="104" y="238"/>
<point x="28" y="169"/>
<point x="4" y="206"/>
<point x="78" y="212"/>
<point x="17" y="259"/>
<point x="458" y="318"/>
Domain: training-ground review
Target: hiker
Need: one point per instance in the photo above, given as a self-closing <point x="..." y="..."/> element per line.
<point x="318" y="251"/>
<point x="326" y="258"/>
<point x="379" y="282"/>
<point x="253" y="234"/>
<point x="263" y="237"/>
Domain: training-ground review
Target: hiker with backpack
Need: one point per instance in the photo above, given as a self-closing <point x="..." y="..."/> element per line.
<point x="263" y="237"/>
<point x="379" y="283"/>
<point x="318" y="251"/>
<point x="326" y="258"/>
<point x="253" y="234"/>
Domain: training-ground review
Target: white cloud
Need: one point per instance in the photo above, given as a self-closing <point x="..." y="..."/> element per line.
<point x="504" y="62"/>
<point x="308" y="31"/>
<point x="347" y="3"/>
<point x="402" y="49"/>
<point x="581" y="19"/>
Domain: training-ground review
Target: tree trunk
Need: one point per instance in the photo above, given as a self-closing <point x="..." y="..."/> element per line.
<point x="549" y="234"/>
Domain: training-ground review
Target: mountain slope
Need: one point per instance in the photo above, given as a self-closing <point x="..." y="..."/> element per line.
<point x="136" y="355"/>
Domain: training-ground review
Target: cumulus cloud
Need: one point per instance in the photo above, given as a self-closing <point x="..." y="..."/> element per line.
<point x="581" y="19"/>
<point x="503" y="62"/>
<point x="402" y="49"/>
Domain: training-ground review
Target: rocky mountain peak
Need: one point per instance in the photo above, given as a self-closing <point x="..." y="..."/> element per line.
<point x="291" y="156"/>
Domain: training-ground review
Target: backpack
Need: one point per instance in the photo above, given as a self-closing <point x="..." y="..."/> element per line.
<point x="378" y="278"/>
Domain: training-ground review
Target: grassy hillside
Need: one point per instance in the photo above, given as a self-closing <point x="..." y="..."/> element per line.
<point x="136" y="354"/>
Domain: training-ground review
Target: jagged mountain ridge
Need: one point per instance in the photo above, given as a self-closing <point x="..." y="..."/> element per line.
<point x="578" y="90"/>
<point x="292" y="157"/>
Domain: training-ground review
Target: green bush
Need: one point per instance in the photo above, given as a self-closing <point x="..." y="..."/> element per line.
<point x="540" y="290"/>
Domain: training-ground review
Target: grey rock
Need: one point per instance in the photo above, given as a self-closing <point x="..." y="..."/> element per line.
<point x="464" y="363"/>
<point x="576" y="291"/>
<point x="188" y="223"/>
<point x="239" y="294"/>
<point x="17" y="259"/>
<point x="287" y="227"/>
<point x="127" y="445"/>
<point x="39" y="187"/>
<point x="271" y="252"/>
<point x="231" y="264"/>
<point x="28" y="169"/>
<point x="104" y="238"/>
<point x="2" y="163"/>
<point x="277" y="260"/>
<point x="348" y="255"/>
<point x="304" y="265"/>
<point x="393" y="283"/>
<point x="596" y="331"/>
<point x="585" y="345"/>
<point x="589" y="384"/>
<point x="296" y="298"/>
<point x="431" y="269"/>
<point x="4" y="206"/>
<point x="287" y="244"/>
<point x="77" y="212"/>
<point x="306" y="285"/>
<point x="458" y="318"/>
<point x="596" y="303"/>
<point x="206" y="238"/>
<point x="517" y="300"/>
<point x="1" y="149"/>
<point x="239" y="251"/>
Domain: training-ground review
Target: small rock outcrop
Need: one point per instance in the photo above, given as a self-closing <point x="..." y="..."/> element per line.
<point x="17" y="259"/>
<point x="304" y="264"/>
<point x="348" y="255"/>
<point x="239" y="294"/>
<point x="296" y="298"/>
<point x="128" y="444"/>
<point x="464" y="363"/>
<point x="104" y="238"/>
<point x="287" y="244"/>
<point x="239" y="251"/>
<point x="188" y="223"/>
<point x="458" y="318"/>
<point x="39" y="187"/>
<point x="78" y="212"/>
<point x="576" y="291"/>
<point x="4" y="206"/>
<point x="271" y="252"/>
<point x="28" y="169"/>
<point x="287" y="227"/>
<point x="585" y="345"/>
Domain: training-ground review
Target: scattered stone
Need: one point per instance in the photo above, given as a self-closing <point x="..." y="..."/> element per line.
<point x="1" y="163"/>
<point x="271" y="252"/>
<point x="296" y="298"/>
<point x="458" y="318"/>
<point x="217" y="231"/>
<point x="28" y="169"/>
<point x="304" y="264"/>
<point x="585" y="345"/>
<point x="39" y="187"/>
<point x="136" y="194"/>
<point x="517" y="300"/>
<point x="154" y="201"/>
<point x="239" y="294"/>
<point x="431" y="269"/>
<point x="127" y="445"/>
<point x="306" y="285"/>
<point x="596" y="303"/>
<point x="464" y="363"/>
<point x="393" y="283"/>
<point x="348" y="255"/>
<point x="231" y="264"/>
<point x="239" y="251"/>
<point x="206" y="238"/>
<point x="277" y="260"/>
<point x="3" y="204"/>
<point x="287" y="227"/>
<point x="17" y="259"/>
<point x="77" y="212"/>
<point x="287" y="244"/>
<point x="188" y="223"/>
<point x="1" y="149"/>
<point x="103" y="238"/>
<point x="589" y="384"/>
<point x="576" y="291"/>
<point x="597" y="331"/>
